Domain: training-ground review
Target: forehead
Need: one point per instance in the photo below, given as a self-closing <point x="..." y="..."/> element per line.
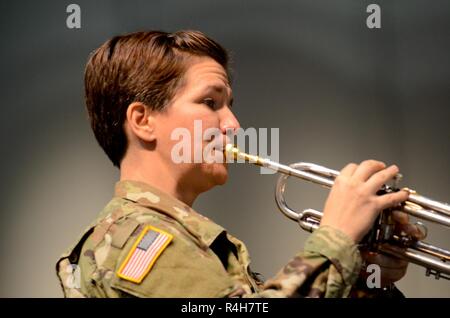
<point x="205" y="71"/>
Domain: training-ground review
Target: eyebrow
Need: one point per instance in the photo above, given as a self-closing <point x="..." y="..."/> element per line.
<point x="220" y="89"/>
<point x="217" y="88"/>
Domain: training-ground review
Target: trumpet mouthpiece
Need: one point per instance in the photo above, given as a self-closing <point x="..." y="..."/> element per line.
<point x="231" y="151"/>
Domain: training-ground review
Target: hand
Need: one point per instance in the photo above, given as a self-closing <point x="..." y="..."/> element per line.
<point x="353" y="205"/>
<point x="392" y="268"/>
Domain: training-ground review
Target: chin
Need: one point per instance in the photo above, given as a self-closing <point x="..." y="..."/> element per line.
<point x="220" y="173"/>
<point x="209" y="176"/>
<point x="217" y="174"/>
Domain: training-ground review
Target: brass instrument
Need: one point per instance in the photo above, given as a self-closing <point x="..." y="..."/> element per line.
<point x="382" y="237"/>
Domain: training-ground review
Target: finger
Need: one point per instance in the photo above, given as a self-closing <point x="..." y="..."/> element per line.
<point x="383" y="260"/>
<point x="400" y="217"/>
<point x="367" y="168"/>
<point x="377" y="180"/>
<point x="410" y="230"/>
<point x="388" y="275"/>
<point x="392" y="268"/>
<point x="348" y="170"/>
<point x="391" y="200"/>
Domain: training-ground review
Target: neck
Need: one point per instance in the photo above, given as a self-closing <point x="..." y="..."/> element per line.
<point x="157" y="174"/>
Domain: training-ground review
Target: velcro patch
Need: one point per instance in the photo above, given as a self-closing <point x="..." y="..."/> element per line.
<point x="123" y="233"/>
<point x="145" y="251"/>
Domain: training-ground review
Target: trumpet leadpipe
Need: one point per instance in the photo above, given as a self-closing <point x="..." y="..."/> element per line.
<point x="321" y="177"/>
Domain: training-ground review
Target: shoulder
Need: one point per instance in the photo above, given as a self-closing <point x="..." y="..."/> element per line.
<point x="150" y="254"/>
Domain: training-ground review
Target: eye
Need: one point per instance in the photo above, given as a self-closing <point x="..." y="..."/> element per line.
<point x="231" y="103"/>
<point x="211" y="103"/>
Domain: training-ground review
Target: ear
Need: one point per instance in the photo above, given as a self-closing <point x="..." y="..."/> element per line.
<point x="141" y="121"/>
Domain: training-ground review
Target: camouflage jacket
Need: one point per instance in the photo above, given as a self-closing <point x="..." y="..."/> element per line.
<point x="195" y="257"/>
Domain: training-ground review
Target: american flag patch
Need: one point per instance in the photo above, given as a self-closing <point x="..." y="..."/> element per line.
<point x="149" y="245"/>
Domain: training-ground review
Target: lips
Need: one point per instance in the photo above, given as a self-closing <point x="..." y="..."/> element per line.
<point x="221" y="143"/>
<point x="217" y="146"/>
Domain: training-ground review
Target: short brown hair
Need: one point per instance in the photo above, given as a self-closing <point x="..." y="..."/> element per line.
<point x="138" y="67"/>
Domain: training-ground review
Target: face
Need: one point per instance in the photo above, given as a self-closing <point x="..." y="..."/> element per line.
<point x="201" y="105"/>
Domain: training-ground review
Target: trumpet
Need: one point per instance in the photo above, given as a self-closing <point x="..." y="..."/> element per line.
<point x="381" y="238"/>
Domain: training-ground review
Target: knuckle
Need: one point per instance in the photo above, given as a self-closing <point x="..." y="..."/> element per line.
<point x="395" y="168"/>
<point x="371" y="207"/>
<point x="368" y="162"/>
<point x="384" y="175"/>
<point x="391" y="200"/>
<point x="349" y="166"/>
<point x="360" y="192"/>
<point x="341" y="180"/>
<point x="373" y="163"/>
<point x="373" y="204"/>
<point x="355" y="184"/>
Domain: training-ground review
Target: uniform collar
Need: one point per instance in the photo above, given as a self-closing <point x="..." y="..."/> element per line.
<point x="205" y="230"/>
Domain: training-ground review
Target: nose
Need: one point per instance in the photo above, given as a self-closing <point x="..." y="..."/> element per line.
<point x="228" y="121"/>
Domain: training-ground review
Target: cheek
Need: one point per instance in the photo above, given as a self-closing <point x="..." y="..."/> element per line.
<point x="202" y="128"/>
<point x="173" y="126"/>
<point x="210" y="127"/>
<point x="187" y="124"/>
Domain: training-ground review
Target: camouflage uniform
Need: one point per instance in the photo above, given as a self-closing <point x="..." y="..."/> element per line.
<point x="202" y="259"/>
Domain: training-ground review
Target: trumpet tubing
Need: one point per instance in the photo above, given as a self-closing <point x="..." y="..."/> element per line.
<point x="381" y="238"/>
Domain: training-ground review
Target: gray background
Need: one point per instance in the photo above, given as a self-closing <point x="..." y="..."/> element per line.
<point x="338" y="91"/>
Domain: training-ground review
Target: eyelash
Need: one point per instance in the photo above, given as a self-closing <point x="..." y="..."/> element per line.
<point x="211" y="103"/>
<point x="208" y="101"/>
